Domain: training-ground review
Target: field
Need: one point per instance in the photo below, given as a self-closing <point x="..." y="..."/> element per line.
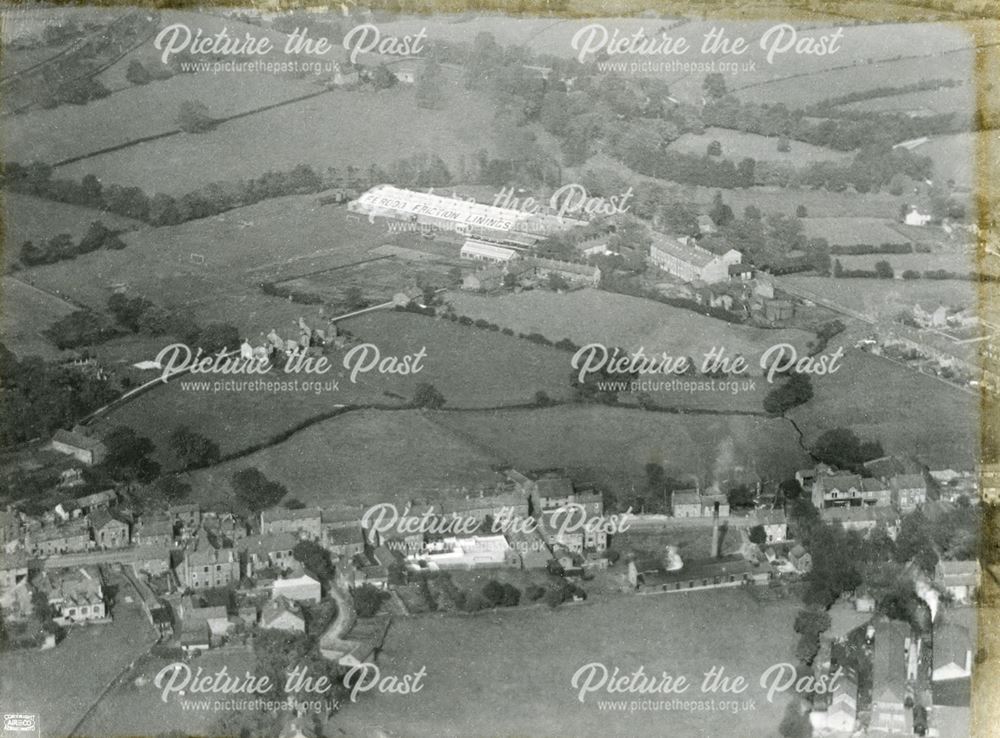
<point x="954" y="156"/>
<point x="737" y="145"/>
<point x="611" y="446"/>
<point x="910" y="413"/>
<point x="883" y="299"/>
<point x="324" y="131"/>
<point x="467" y="691"/>
<point x="27" y="218"/>
<point x="852" y="73"/>
<point x="853" y="230"/>
<point x="953" y="261"/>
<point x="924" y="102"/>
<point x="213" y="266"/>
<point x="472" y="368"/>
<point x="26" y="311"/>
<point x="589" y="315"/>
<point x="61" y="684"/>
<point x="143" y="110"/>
<point x="136" y="709"/>
<point x="362" y="458"/>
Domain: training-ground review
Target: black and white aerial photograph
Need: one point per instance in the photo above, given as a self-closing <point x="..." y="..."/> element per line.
<point x="500" y="369"/>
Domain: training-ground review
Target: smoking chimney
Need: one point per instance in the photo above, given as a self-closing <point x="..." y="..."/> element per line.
<point x="715" y="532"/>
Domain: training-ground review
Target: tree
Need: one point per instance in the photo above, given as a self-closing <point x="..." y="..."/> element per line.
<point x="315" y="559"/>
<point x="427" y="396"/>
<point x="193" y="449"/>
<point x="137" y="74"/>
<point x="381" y="78"/>
<point x="255" y="490"/>
<point x="883" y="270"/>
<point x="354" y="299"/>
<point x="172" y="489"/>
<point x="368" y="600"/>
<point x="714" y="148"/>
<point x="96" y="237"/>
<point x="796" y="390"/>
<point x="720" y="213"/>
<point x="841" y="447"/>
<point x="714" y="85"/>
<point x="216" y="337"/>
<point x="758" y="535"/>
<point x="193" y="117"/>
<point x="557" y="282"/>
<point x="783" y="145"/>
<point x="428" y="91"/>
<point x="127" y="456"/>
<point x="801" y="211"/>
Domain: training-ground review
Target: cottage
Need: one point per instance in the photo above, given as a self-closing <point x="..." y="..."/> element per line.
<point x="301" y="588"/>
<point x="95" y="501"/>
<point x="304" y="522"/>
<point x="50" y="540"/>
<point x="800" y="559"/>
<point x="188" y="515"/>
<point x="774" y="523"/>
<point x="908" y="491"/>
<point x="155" y="532"/>
<point x="343" y="540"/>
<point x="740" y="272"/>
<point x="267" y="550"/>
<point x="571" y="271"/>
<point x="282" y="614"/>
<point x="692" y="503"/>
<point x="76" y="443"/>
<point x="203" y="566"/>
<point x="835" y="489"/>
<point x="864" y="519"/>
<point x="76" y="595"/>
<point x="108" y="531"/>
<point x="960" y="579"/>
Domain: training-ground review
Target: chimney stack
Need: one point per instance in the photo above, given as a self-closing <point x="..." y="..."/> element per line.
<point x="715" y="533"/>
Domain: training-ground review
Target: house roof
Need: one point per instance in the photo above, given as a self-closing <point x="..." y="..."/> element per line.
<point x="277" y="608"/>
<point x="952" y="645"/>
<point x="873" y="485"/>
<point x="77" y="440"/>
<point x="909" y="481"/>
<point x="885" y="466"/>
<point x="266" y="543"/>
<point x="278" y="514"/>
<point x="703" y="569"/>
<point x="839" y="482"/>
<point x="860" y="514"/>
<point x="552" y="486"/>
<point x="889" y="662"/>
<point x="685" y="497"/>
<point x="97" y="498"/>
<point x="693" y="255"/>
<point x="101" y="518"/>
<point x="345" y="536"/>
<point x="957" y="573"/>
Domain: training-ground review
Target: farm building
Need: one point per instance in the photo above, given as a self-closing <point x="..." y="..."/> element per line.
<point x="689" y="262"/>
<point x="80" y="446"/>
<point x="569" y="270"/>
<point x="466" y="217"/>
<point x="483" y="251"/>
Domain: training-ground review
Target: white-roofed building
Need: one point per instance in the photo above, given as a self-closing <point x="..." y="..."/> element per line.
<point x="483" y="251"/>
<point x="466" y="217"/>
